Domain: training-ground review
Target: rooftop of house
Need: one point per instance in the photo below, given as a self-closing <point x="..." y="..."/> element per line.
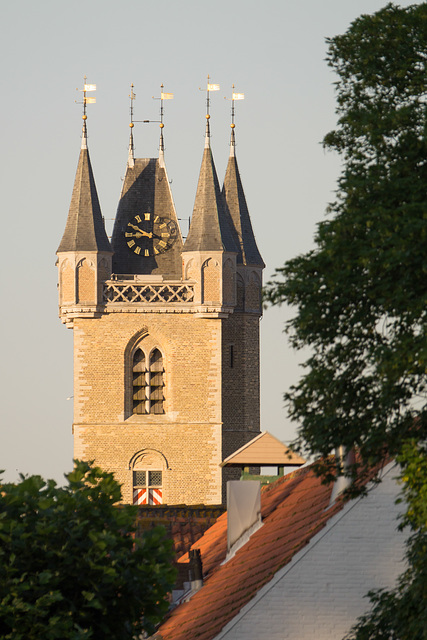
<point x="293" y="509"/>
<point x="264" y="450"/>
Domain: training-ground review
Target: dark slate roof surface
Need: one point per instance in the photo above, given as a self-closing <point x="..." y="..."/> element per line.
<point x="211" y="225"/>
<point x="85" y="229"/>
<point x="234" y="197"/>
<point x="145" y="189"/>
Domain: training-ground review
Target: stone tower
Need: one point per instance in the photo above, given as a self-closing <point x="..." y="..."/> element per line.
<point x="166" y="333"/>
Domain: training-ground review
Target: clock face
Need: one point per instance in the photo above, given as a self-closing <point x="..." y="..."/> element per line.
<point x="148" y="234"/>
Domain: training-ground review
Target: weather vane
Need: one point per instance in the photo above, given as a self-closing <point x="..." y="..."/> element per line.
<point x="86" y="100"/>
<point x="234" y="96"/>
<point x="163" y="96"/>
<point x="132" y="97"/>
<point x="209" y="87"/>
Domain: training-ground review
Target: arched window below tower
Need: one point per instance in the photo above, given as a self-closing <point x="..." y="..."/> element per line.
<point x="148" y="487"/>
<point x="147" y="383"/>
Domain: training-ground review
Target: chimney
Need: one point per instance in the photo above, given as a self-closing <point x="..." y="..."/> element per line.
<point x="345" y="459"/>
<point x="195" y="569"/>
<point x="243" y="513"/>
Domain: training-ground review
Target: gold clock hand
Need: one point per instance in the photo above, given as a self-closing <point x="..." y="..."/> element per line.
<point x="144" y="233"/>
<point x="133" y="235"/>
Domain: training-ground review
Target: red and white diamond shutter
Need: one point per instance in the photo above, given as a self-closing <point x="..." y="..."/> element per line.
<point x="147" y="487"/>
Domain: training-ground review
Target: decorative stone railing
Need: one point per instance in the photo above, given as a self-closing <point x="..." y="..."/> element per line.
<point x="146" y="293"/>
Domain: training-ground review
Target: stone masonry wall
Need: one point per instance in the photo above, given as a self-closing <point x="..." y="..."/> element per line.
<point x="187" y="437"/>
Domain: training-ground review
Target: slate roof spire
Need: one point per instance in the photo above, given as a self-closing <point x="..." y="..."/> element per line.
<point x="85" y="229"/>
<point x="237" y="209"/>
<point x="211" y="227"/>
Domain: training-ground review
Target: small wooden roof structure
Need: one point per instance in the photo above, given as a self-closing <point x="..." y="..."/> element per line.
<point x="264" y="450"/>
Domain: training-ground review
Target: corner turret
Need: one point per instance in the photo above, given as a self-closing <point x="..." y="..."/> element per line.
<point x="249" y="261"/>
<point x="209" y="255"/>
<point x="84" y="253"/>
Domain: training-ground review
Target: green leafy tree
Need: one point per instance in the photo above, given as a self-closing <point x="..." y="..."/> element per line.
<point x="361" y="294"/>
<point x="70" y="565"/>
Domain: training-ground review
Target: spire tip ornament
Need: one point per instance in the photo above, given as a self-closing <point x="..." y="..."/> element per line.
<point x="234" y="96"/>
<point x="131" y="156"/>
<point x="209" y="87"/>
<point x="86" y="100"/>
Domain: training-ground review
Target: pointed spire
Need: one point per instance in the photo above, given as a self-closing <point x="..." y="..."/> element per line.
<point x="161" y="148"/>
<point x="237" y="208"/>
<point x="163" y="96"/>
<point x="84" y="133"/>
<point x="207" y="134"/>
<point x="85" y="229"/>
<point x="232" y="143"/>
<point x="210" y="228"/>
<point x="131" y="157"/>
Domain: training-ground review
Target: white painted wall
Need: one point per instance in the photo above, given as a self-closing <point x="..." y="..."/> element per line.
<point x="320" y="594"/>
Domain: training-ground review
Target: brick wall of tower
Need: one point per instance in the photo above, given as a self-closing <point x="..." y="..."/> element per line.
<point x="240" y="386"/>
<point x="241" y="380"/>
<point x="187" y="438"/>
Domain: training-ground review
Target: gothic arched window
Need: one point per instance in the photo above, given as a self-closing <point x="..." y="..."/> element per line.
<point x="147" y="382"/>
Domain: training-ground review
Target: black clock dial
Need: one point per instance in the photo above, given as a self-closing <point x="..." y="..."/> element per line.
<point x="148" y="234"/>
<point x="165" y="232"/>
<point x="139" y="235"/>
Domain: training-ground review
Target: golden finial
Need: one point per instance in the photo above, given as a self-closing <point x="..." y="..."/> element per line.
<point x="163" y="96"/>
<point x="86" y="100"/>
<point x="209" y="87"/>
<point x="234" y="96"/>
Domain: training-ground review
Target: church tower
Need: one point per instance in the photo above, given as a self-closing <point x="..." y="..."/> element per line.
<point x="166" y="333"/>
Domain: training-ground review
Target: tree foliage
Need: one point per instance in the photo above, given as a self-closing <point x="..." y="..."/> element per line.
<point x="361" y="294"/>
<point x="70" y="565"/>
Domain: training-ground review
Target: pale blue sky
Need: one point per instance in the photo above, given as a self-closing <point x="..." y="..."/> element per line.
<point x="272" y="51"/>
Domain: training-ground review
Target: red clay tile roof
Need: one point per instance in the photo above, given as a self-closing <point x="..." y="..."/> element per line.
<point x="294" y="509"/>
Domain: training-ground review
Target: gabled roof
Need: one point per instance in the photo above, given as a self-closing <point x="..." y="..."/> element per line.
<point x="234" y="197"/>
<point x="85" y="229"/>
<point x="293" y="509"/>
<point x="262" y="450"/>
<point x="211" y="225"/>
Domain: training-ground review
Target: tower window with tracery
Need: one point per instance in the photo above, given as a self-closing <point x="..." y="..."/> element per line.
<point x="147" y="383"/>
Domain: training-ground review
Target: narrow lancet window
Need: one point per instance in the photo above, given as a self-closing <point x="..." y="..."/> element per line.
<point x="156" y="382"/>
<point x="139" y="383"/>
